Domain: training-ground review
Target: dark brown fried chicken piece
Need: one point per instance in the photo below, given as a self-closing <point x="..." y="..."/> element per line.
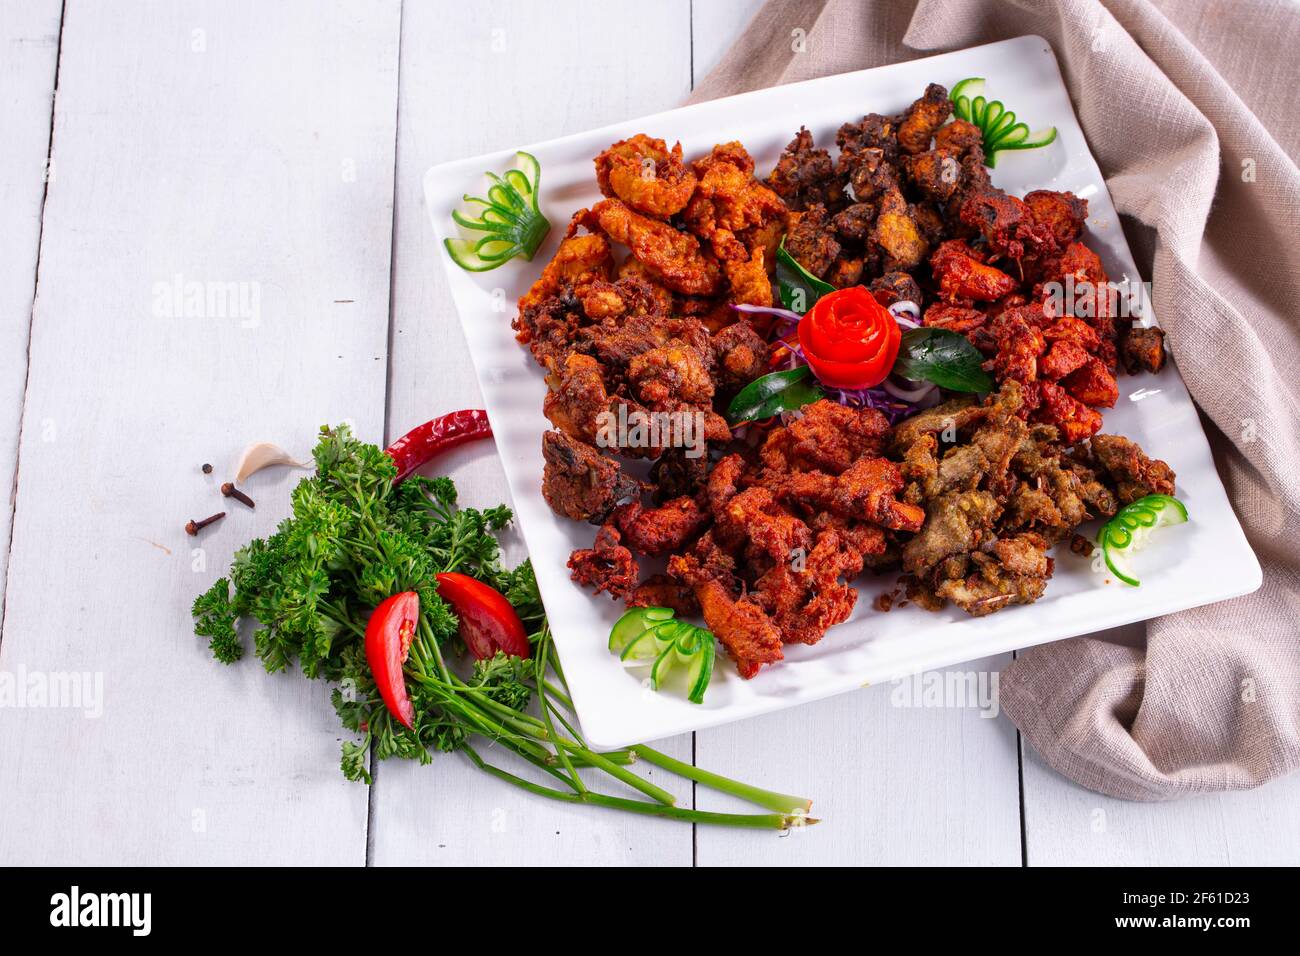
<point x="579" y="482"/>
<point x="805" y="175"/>
<point x="812" y="241"/>
<point x="740" y="354"/>
<point x="1008" y="226"/>
<point x="1142" y="349"/>
<point x="961" y="137"/>
<point x="869" y="155"/>
<point x="923" y="119"/>
<point x="1133" y="474"/>
<point x="936" y="172"/>
<point x="895" y="287"/>
<point x="606" y="566"/>
<point x="897" y="234"/>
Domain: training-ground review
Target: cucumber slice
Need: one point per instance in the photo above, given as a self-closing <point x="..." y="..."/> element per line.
<point x="664" y="663"/>
<point x="510" y="215"/>
<point x="1031" y="140"/>
<point x="700" y="669"/>
<point x="971" y="86"/>
<point x="993" y="114"/>
<point x="977" y="107"/>
<point x="464" y="253"/>
<point x="634" y="623"/>
<point x="650" y="643"/>
<point x="1129" y="530"/>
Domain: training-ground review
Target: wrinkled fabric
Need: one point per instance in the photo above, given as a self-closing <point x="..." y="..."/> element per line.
<point x="1187" y="109"/>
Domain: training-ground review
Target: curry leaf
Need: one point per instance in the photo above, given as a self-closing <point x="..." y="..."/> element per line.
<point x="798" y="287"/>
<point x="943" y="357"/>
<point x="774" y="393"/>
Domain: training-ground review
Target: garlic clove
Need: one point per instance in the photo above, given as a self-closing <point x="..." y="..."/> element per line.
<point x="261" y="455"/>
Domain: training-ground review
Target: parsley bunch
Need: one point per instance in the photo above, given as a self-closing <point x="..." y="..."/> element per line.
<point x="355" y="537"/>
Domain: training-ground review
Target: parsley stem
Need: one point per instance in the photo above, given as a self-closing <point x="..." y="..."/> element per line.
<point x="780" y="802"/>
<point x="758" y="821"/>
<point x="543" y="651"/>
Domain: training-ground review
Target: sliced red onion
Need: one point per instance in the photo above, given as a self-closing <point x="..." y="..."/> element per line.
<point x="783" y="313"/>
<point x="908" y="394"/>
<point x="906" y="307"/>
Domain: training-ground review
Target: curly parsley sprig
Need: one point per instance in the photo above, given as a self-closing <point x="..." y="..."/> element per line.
<point x="356" y="536"/>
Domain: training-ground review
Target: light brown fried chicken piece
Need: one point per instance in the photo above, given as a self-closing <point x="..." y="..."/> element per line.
<point x="1015" y="571"/>
<point x="578" y="261"/>
<point x="645" y="174"/>
<point x="673" y="258"/>
<point x="729" y="202"/>
<point x="748" y="279"/>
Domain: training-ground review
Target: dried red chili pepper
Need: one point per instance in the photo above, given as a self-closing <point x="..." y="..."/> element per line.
<point x="422" y="443"/>
<point x="388" y="641"/>
<point x="488" y="623"/>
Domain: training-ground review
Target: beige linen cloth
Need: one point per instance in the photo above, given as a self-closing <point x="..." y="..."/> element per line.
<point x="1190" y="110"/>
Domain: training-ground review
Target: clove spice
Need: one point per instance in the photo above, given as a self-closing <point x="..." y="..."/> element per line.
<point x="230" y="491"/>
<point x="193" y="527"/>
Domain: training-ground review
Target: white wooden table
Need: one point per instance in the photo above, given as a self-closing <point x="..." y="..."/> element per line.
<point x="280" y="147"/>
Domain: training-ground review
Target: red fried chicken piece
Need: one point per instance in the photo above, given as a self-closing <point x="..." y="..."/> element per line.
<point x="962" y="274"/>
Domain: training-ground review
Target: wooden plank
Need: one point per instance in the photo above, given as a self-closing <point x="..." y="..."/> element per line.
<point x="29" y="37"/>
<point x="478" y="77"/>
<point x="895" y="778"/>
<point x="893" y="785"/>
<point x="223" y="143"/>
<point x="1066" y="824"/>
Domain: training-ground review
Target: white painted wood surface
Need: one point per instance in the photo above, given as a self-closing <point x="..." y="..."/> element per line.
<point x="29" y="51"/>
<point x="222" y="142"/>
<point x="504" y="73"/>
<point x="272" y="145"/>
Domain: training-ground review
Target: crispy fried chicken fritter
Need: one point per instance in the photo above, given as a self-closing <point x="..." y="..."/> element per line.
<point x="579" y="482"/>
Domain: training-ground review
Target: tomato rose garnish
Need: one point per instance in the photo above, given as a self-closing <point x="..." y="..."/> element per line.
<point x="849" y="339"/>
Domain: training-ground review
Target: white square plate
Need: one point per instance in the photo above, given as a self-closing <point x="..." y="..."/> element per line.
<point x="1206" y="560"/>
